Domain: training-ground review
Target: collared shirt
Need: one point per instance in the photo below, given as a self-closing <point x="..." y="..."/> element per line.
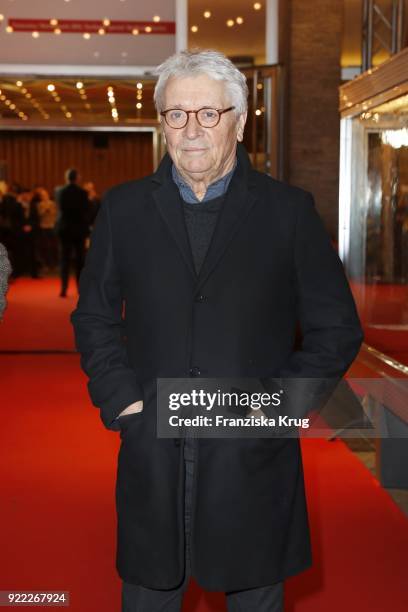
<point x="216" y="189"/>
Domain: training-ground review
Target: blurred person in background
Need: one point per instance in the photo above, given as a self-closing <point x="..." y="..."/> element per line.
<point x="32" y="232"/>
<point x="94" y="201"/>
<point x="27" y="255"/>
<point x="12" y="221"/>
<point x="72" y="226"/>
<point x="48" y="246"/>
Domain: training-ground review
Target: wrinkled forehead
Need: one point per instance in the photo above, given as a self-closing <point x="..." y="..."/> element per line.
<point x="190" y="92"/>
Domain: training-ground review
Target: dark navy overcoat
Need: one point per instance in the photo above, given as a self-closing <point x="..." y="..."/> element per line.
<point x="143" y="314"/>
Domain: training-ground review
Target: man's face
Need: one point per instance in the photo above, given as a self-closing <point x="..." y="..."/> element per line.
<point x="197" y="151"/>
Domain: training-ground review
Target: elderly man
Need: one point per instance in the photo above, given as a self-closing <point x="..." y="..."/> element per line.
<point x="204" y="269"/>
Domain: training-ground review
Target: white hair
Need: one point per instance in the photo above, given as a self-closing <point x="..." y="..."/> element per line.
<point x="203" y="61"/>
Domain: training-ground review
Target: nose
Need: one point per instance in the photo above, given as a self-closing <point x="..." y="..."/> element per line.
<point x="193" y="128"/>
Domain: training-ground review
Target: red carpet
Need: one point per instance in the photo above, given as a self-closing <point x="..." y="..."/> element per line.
<point x="58" y="516"/>
<point x="37" y="319"/>
<point x="58" y="467"/>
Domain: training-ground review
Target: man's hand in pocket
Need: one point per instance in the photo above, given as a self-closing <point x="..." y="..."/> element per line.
<point x="135" y="407"/>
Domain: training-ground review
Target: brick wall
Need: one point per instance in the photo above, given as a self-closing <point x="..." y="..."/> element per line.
<point x="311" y="54"/>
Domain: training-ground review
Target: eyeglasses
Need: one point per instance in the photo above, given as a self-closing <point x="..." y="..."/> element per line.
<point x="177" y="118"/>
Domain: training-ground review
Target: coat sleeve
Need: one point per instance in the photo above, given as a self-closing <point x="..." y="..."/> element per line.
<point x="98" y="327"/>
<point x="331" y="330"/>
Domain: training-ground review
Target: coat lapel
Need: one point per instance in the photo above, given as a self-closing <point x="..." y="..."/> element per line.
<point x="167" y="198"/>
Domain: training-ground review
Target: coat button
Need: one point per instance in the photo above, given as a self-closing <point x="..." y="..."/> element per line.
<point x="200" y="298"/>
<point x="195" y="371"/>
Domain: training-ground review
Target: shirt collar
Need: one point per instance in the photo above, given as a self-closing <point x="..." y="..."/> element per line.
<point x="216" y="189"/>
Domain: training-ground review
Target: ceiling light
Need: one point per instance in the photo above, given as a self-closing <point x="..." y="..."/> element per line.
<point x="87" y="36"/>
<point x="84" y="97"/>
<point x="156" y="18"/>
<point x="3" y="97"/>
<point x="101" y="31"/>
<point x="87" y="106"/>
<point x="57" y="99"/>
<point x="239" y="20"/>
<point x="139" y="105"/>
<point x="148" y="29"/>
<point x="7" y="103"/>
<point x="135" y="32"/>
<point x="35" y="34"/>
<point x="259" y="86"/>
<point x="57" y="31"/>
<point x="82" y="91"/>
<point x="51" y="87"/>
<point x="110" y="88"/>
<point x="194" y="28"/>
<point x="19" y="83"/>
<point x="9" y="29"/>
<point x="257" y="6"/>
<point x="258" y="112"/>
<point x="79" y="85"/>
<point x="106" y="22"/>
<point x="54" y="22"/>
<point x="12" y="106"/>
<point x="230" y="23"/>
<point x="139" y="85"/>
<point x="395" y="138"/>
<point x="28" y="95"/>
<point x="1" y="17"/>
<point x="207" y="14"/>
<point x="68" y="115"/>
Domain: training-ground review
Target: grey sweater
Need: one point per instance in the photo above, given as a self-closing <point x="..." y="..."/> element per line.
<point x="5" y="271"/>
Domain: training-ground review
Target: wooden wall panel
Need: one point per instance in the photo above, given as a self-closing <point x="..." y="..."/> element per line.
<point x="41" y="158"/>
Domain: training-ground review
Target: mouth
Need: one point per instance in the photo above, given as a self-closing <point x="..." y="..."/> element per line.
<point x="193" y="149"/>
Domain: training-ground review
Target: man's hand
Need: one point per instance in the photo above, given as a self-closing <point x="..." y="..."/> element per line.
<point x="135" y="407"/>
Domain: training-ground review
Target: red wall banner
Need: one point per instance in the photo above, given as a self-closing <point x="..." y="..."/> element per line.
<point x="92" y="26"/>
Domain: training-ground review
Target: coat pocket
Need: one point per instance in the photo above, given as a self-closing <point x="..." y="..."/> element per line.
<point x="127" y="421"/>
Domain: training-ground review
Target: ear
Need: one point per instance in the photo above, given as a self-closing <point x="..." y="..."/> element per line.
<point x="163" y="131"/>
<point x="241" y="125"/>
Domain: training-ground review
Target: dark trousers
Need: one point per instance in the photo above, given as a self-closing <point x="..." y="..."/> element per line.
<point x="136" y="598"/>
<point x="69" y="246"/>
